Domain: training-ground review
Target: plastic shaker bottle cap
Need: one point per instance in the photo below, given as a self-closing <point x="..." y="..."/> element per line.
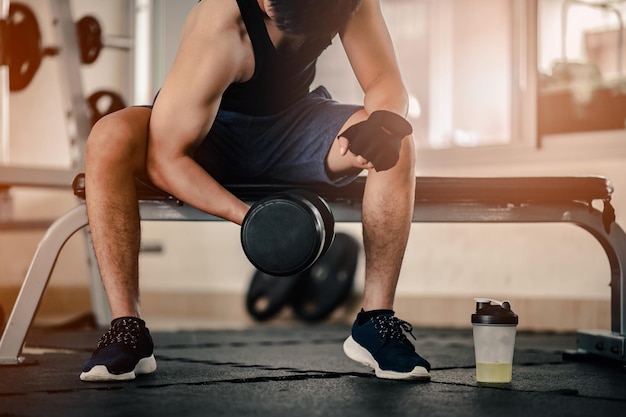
<point x="493" y="312"/>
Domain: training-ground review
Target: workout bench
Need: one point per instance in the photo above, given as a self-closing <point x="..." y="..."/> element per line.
<point x="444" y="200"/>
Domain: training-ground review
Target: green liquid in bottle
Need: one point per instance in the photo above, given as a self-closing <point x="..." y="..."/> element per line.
<point x="494" y="372"/>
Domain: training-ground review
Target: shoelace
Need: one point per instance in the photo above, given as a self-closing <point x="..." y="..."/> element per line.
<point x="124" y="330"/>
<point x="390" y="327"/>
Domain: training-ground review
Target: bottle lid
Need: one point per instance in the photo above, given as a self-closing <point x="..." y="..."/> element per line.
<point x="490" y="311"/>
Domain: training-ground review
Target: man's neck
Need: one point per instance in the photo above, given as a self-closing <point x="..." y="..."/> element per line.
<point x="283" y="42"/>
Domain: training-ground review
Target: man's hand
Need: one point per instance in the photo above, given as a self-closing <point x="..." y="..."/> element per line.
<point x="376" y="141"/>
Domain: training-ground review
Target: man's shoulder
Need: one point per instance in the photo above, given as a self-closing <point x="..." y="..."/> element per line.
<point x="214" y="16"/>
<point x="225" y="10"/>
<point x="215" y="33"/>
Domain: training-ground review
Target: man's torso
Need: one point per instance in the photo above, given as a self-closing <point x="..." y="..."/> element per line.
<point x="284" y="67"/>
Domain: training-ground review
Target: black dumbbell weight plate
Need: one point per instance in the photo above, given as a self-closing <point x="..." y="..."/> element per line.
<point x="327" y="284"/>
<point x="283" y="234"/>
<point x="268" y="294"/>
<point x="327" y="215"/>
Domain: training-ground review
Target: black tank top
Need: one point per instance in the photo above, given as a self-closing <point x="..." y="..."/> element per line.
<point x="279" y="79"/>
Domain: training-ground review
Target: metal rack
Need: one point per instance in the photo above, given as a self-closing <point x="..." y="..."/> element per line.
<point x="78" y="120"/>
<point x="76" y="110"/>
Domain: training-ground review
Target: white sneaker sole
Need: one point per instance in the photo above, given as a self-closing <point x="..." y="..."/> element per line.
<point x="100" y="373"/>
<point x="359" y="354"/>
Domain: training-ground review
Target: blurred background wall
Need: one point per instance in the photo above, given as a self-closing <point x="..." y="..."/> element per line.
<point x="476" y="78"/>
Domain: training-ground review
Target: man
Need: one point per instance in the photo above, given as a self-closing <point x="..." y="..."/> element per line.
<point x="235" y="106"/>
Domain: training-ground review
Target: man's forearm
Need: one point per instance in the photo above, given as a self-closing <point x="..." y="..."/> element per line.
<point x="387" y="93"/>
<point x="185" y="179"/>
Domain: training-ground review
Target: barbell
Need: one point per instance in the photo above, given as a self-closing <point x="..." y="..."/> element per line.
<point x="22" y="43"/>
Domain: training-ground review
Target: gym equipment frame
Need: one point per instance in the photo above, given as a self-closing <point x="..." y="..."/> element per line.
<point x="78" y="110"/>
<point x="437" y="200"/>
<point x="74" y="103"/>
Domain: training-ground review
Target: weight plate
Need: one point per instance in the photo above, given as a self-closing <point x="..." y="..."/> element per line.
<point x="268" y="294"/>
<point x="89" y="34"/>
<point x="327" y="284"/>
<point x="327" y="215"/>
<point x="24" y="46"/>
<point x="104" y="102"/>
<point x="282" y="235"/>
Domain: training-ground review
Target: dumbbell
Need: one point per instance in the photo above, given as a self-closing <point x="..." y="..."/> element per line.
<point x="285" y="233"/>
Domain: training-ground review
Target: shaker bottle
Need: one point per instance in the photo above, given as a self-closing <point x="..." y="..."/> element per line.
<point x="494" y="326"/>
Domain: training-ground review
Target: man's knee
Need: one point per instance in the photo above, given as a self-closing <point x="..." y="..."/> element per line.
<point x="118" y="138"/>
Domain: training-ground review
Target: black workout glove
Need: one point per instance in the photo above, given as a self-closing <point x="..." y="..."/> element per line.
<point x="378" y="138"/>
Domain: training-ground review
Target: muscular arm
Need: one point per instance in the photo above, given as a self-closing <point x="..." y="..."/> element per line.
<point x="372" y="57"/>
<point x="213" y="53"/>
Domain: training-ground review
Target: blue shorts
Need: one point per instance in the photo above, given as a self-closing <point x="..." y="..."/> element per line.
<point x="290" y="146"/>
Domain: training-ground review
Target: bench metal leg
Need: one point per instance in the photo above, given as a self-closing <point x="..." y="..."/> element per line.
<point x="606" y="343"/>
<point x="36" y="281"/>
<point x="610" y="344"/>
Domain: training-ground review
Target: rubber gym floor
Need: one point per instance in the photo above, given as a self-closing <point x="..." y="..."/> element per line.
<point x="300" y="370"/>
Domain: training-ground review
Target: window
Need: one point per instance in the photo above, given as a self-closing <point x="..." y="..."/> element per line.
<point x="464" y="64"/>
<point x="581" y="64"/>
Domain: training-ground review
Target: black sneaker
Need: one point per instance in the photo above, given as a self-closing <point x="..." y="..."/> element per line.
<point x="123" y="352"/>
<point x="381" y="343"/>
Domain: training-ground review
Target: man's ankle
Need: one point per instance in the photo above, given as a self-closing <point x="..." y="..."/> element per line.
<point x="365" y="316"/>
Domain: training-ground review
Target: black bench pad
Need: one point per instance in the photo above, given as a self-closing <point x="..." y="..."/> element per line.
<point x="515" y="190"/>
